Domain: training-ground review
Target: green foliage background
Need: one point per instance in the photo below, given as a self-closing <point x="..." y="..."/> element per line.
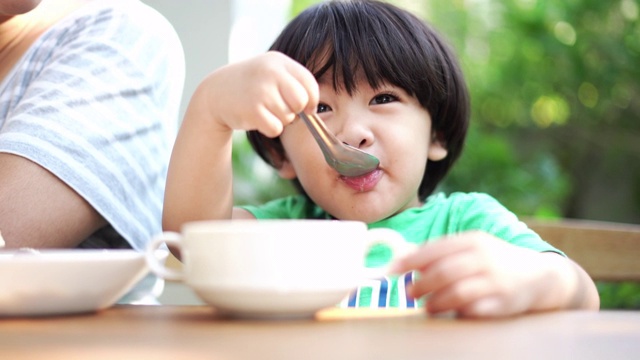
<point x="555" y="110"/>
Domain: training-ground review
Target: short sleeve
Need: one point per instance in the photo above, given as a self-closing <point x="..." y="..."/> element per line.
<point x="96" y="102"/>
<point x="477" y="211"/>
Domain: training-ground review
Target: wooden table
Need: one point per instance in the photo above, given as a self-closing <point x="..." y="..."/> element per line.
<point x="196" y="332"/>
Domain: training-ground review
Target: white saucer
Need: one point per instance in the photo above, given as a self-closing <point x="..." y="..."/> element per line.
<point x="271" y="303"/>
<point x="65" y="281"/>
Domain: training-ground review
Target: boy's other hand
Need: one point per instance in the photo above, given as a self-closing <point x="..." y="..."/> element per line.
<point x="478" y="275"/>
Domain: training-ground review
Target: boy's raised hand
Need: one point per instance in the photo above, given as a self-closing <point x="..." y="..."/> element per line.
<point x="477" y="275"/>
<point x="263" y="93"/>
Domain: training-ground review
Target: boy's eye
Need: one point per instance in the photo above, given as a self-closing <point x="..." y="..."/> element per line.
<point x="323" y="108"/>
<point x="383" y="99"/>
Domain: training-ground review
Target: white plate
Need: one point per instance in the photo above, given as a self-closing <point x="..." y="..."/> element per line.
<point x="271" y="303"/>
<point x="53" y="282"/>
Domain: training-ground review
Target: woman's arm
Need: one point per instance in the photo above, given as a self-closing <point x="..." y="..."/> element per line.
<point x="38" y="210"/>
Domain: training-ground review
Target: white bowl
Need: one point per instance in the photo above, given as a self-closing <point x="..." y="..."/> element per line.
<point x="64" y="281"/>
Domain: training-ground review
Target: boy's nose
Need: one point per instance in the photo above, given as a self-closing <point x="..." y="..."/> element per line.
<point x="355" y="132"/>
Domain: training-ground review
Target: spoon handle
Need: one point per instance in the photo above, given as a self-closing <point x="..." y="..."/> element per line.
<point x="321" y="134"/>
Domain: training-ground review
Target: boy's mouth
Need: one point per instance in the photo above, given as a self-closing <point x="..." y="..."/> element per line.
<point x="364" y="182"/>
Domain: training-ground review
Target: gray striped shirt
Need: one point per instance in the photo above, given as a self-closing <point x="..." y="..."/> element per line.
<point x="95" y="101"/>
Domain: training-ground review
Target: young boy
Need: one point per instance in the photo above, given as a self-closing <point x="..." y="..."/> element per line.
<point x="385" y="82"/>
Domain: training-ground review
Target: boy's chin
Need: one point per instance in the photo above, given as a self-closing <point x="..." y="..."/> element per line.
<point x="367" y="216"/>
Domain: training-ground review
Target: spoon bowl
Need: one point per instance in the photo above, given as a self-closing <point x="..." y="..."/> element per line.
<point x="345" y="159"/>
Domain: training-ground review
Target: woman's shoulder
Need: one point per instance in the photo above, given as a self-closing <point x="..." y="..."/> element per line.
<point x="109" y="17"/>
<point x="104" y="34"/>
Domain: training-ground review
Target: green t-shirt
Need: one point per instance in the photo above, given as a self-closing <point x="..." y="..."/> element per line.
<point x="440" y="215"/>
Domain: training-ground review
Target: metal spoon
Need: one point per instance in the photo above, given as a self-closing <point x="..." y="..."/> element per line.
<point x="345" y="159"/>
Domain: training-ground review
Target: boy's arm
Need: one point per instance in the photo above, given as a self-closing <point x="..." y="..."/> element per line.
<point x="478" y="275"/>
<point x="199" y="181"/>
<point x="263" y="93"/>
<point x="579" y="292"/>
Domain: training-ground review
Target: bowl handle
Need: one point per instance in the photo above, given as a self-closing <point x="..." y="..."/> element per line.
<point x="397" y="244"/>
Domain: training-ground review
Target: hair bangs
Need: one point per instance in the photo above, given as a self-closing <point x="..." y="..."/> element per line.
<point x="355" y="43"/>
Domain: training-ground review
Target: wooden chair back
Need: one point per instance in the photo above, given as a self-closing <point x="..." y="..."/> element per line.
<point x="607" y="251"/>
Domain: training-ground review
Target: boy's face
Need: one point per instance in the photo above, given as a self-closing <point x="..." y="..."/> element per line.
<point x="385" y="122"/>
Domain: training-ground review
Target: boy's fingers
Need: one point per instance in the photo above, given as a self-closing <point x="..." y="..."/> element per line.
<point x="430" y="252"/>
<point x="491" y="306"/>
<point x="308" y="83"/>
<point x="452" y="268"/>
<point x="294" y="94"/>
<point x="272" y="125"/>
<point x="459" y="295"/>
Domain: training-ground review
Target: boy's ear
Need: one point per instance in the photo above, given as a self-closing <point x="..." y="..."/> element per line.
<point x="278" y="159"/>
<point x="286" y="170"/>
<point x="437" y="149"/>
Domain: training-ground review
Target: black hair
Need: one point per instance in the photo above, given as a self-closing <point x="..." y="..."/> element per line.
<point x="385" y="44"/>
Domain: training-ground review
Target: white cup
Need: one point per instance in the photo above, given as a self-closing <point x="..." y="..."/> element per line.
<point x="274" y="268"/>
